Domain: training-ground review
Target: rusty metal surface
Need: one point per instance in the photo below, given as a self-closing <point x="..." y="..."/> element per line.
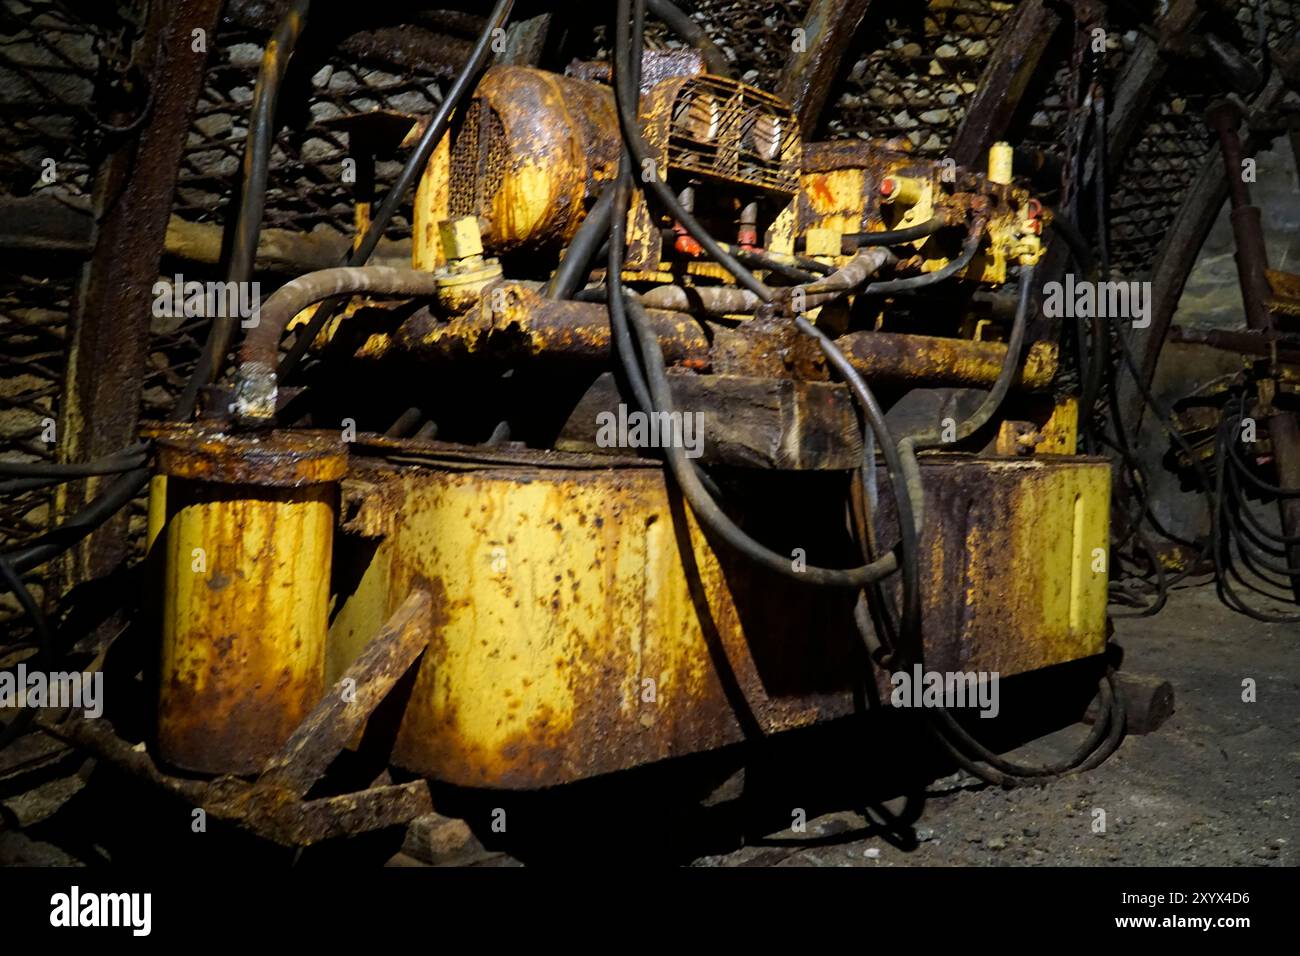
<point x="110" y="327"/>
<point x="245" y="596"/>
<point x="536" y="678"/>
<point x="535" y="671"/>
<point x="271" y="813"/>
<point x="1008" y="573"/>
<point x="280" y="459"/>
<point x="743" y="421"/>
<point x="530" y="326"/>
<point x="930" y="360"/>
<point x="346" y="815"/>
<point x="805" y="81"/>
<point x="342" y="711"/>
<point x="532" y="154"/>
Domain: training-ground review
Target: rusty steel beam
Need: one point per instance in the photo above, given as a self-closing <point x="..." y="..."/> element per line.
<point x="532" y="327"/>
<point x="1013" y="65"/>
<point x="806" y="80"/>
<point x="1243" y="343"/>
<point x="110" y="324"/>
<point x="1256" y="294"/>
<point x="930" y="360"/>
<point x="1143" y="71"/>
<point x="348" y="814"/>
<point x="1184" y="238"/>
<point x="438" y="48"/>
<point x="273" y="806"/>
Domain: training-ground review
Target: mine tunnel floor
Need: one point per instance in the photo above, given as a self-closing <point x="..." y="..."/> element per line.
<point x="1218" y="784"/>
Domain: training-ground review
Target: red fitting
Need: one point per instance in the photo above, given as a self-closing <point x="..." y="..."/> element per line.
<point x="685" y="243"/>
<point x="888" y="186"/>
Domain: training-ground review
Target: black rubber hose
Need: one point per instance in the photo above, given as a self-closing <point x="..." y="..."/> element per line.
<point x="57" y="540"/>
<point x="575" y="266"/>
<point x="1222" y="550"/>
<point x="943" y="722"/>
<point x="1239" y="496"/>
<point x="1091" y="366"/>
<point x="411" y="170"/>
<point x="787" y="270"/>
<point x="971" y="245"/>
<point x="1259" y="484"/>
<point x="707" y="511"/>
<point x="896" y="237"/>
<point x="691" y="33"/>
<point x="113" y="464"/>
<point x="625" y="98"/>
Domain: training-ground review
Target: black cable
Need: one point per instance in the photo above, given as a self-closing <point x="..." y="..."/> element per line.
<point x="113" y="464"/>
<point x="969" y="247"/>
<point x="411" y="170"/>
<point x="57" y="540"/>
<point x="1239" y="496"/>
<point x="897" y="237"/>
<point x="625" y="98"/>
<point x="707" y="511"/>
<point x="1225" y="569"/>
<point x="795" y="272"/>
<point x="691" y="33"/>
<point x="1259" y="484"/>
<point x="575" y="265"/>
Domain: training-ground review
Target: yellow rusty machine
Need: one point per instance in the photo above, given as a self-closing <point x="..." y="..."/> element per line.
<point x="463" y="472"/>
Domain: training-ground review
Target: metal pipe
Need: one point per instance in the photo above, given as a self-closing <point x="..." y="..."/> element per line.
<point x="256" y="393"/>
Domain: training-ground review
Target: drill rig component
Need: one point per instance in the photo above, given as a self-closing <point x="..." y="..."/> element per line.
<point x="584" y="619"/>
<point x="248" y="544"/>
<point x="563" y="583"/>
<point x="531" y="155"/>
<point x="257" y="391"/>
<point x="529" y="327"/>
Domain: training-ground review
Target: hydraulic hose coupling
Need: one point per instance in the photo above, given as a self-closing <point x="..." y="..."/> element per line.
<point x="467" y="272"/>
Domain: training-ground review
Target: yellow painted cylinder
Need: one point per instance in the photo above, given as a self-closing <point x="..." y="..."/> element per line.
<point x="1001" y="163"/>
<point x="248" y="542"/>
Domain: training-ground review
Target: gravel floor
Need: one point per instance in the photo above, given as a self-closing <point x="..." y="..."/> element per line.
<point x="1218" y="784"/>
